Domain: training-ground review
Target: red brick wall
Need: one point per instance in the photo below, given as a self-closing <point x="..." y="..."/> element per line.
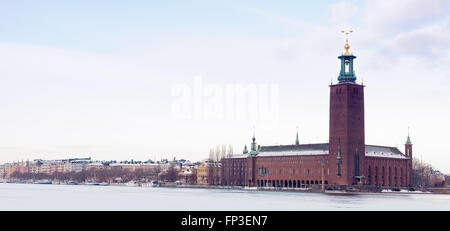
<point x="396" y="177"/>
<point x="291" y="170"/>
<point x="346" y="131"/>
<point x="234" y="171"/>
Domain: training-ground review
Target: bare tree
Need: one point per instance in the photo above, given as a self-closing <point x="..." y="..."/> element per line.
<point x="217" y="153"/>
<point x="211" y="154"/>
<point x="424" y="175"/>
<point x="230" y="151"/>
<point x="223" y="151"/>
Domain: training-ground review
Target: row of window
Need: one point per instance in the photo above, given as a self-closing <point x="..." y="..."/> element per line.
<point x="288" y="183"/>
<point x="291" y="171"/>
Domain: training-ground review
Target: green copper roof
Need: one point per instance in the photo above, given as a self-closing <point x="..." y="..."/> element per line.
<point x="347" y="73"/>
<point x="253" y="153"/>
<point x="408" y="140"/>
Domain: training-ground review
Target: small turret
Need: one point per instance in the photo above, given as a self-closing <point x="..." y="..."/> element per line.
<point x="408" y="146"/>
<point x="408" y="153"/>
<point x="253" y="144"/>
<point x="253" y="147"/>
<point x="245" y="150"/>
<point x="254" y="150"/>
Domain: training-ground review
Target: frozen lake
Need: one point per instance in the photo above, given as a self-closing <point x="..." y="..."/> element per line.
<point x="31" y="197"/>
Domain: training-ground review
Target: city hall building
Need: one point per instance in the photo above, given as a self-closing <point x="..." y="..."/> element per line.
<point x="345" y="161"/>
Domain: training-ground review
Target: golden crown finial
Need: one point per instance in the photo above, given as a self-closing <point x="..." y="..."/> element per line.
<point x="347" y="47"/>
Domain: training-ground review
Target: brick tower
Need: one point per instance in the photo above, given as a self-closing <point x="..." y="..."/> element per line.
<point x="347" y="144"/>
<point x="408" y="153"/>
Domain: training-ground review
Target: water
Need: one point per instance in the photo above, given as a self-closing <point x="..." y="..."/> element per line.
<point x="32" y="197"/>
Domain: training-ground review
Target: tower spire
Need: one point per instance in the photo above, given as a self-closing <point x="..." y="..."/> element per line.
<point x="253" y="147"/>
<point x="347" y="74"/>
<point x="347" y="46"/>
<point x="253" y="131"/>
<point x="297" y="141"/>
<point x="254" y="150"/>
<point x="408" y="146"/>
<point x="408" y="140"/>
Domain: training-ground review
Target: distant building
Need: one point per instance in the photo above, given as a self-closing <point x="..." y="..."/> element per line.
<point x="95" y="166"/>
<point x="3" y="171"/>
<point x="214" y="173"/>
<point x="202" y="173"/>
<point x="188" y="176"/>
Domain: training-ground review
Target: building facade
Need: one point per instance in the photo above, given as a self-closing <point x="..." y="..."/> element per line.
<point x="344" y="161"/>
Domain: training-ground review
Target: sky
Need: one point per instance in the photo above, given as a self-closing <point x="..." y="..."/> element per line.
<point x="150" y="79"/>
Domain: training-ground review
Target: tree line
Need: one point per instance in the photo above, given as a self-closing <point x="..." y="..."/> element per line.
<point x="92" y="175"/>
<point x="424" y="175"/>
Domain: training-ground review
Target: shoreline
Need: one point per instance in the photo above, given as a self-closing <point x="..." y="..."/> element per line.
<point x="442" y="191"/>
<point x="299" y="190"/>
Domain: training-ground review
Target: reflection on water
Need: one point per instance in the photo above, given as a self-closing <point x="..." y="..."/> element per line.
<point x="79" y="197"/>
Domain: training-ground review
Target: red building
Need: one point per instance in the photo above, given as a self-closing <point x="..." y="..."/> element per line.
<point x="346" y="160"/>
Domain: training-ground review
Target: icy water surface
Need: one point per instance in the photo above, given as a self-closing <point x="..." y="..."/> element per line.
<point x="101" y="198"/>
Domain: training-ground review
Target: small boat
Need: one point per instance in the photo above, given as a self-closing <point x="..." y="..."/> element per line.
<point x="90" y="183"/>
<point x="44" y="182"/>
<point x="155" y="184"/>
<point x="131" y="184"/>
<point x="147" y="184"/>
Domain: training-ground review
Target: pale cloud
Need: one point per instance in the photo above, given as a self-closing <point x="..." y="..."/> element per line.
<point x="274" y="16"/>
<point x="396" y="30"/>
<point x="342" y="11"/>
<point x="430" y="43"/>
<point x="281" y="18"/>
<point x="387" y="16"/>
